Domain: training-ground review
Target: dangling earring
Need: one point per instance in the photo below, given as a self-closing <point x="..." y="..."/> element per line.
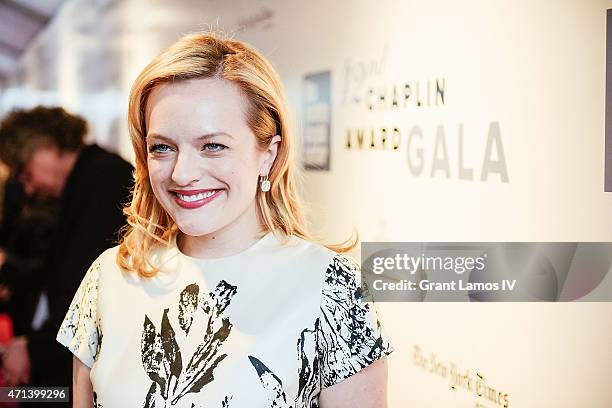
<point x="265" y="184"/>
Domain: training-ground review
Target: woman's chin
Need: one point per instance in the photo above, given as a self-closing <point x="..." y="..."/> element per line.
<point x="195" y="230"/>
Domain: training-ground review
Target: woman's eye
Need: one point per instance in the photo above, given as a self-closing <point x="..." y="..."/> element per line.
<point x="214" y="147"/>
<point x="159" y="148"/>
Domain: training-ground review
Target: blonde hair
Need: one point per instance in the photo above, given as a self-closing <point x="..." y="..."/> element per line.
<point x="205" y="55"/>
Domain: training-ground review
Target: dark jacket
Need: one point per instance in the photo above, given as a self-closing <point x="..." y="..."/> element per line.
<point x="89" y="220"/>
<point x="26" y="237"/>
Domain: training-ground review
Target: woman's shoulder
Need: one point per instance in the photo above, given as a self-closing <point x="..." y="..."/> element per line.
<point x="304" y="250"/>
<point x="106" y="260"/>
<point x="304" y="245"/>
<point x="108" y="255"/>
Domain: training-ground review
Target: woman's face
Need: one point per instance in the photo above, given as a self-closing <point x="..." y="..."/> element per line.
<point x="202" y="158"/>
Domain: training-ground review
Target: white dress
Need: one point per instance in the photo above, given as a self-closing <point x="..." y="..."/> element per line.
<point x="268" y="327"/>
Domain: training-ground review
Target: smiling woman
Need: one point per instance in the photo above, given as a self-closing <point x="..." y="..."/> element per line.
<point x="218" y="295"/>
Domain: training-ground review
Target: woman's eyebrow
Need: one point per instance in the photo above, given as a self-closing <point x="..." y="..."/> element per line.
<point x="203" y="137"/>
<point x="158" y="136"/>
<point x="210" y="135"/>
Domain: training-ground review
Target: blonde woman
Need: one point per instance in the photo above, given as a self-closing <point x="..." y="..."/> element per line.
<point x="217" y="295"/>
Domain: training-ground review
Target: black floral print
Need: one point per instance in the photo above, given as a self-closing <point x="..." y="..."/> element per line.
<point x="350" y="336"/>
<point x="161" y="354"/>
<point x="274" y="350"/>
<point x="347" y="339"/>
<point x="82" y="324"/>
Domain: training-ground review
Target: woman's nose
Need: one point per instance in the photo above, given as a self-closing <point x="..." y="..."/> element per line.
<point x="186" y="170"/>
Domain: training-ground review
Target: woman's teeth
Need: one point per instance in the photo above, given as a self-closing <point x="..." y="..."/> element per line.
<point x="196" y="197"/>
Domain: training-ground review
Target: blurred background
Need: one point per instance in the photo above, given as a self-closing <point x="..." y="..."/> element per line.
<point x="418" y="121"/>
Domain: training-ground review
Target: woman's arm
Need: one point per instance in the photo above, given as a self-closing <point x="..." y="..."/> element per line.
<point x="81" y="385"/>
<point x="365" y="389"/>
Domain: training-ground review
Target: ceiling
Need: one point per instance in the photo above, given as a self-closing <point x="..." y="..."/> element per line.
<point x="20" y="21"/>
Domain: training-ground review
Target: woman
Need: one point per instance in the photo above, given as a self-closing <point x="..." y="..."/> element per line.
<point x="217" y="295"/>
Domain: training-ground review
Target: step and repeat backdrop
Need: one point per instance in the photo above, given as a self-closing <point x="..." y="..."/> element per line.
<point x="420" y="121"/>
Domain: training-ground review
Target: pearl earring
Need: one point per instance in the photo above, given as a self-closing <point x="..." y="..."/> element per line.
<point x="265" y="184"/>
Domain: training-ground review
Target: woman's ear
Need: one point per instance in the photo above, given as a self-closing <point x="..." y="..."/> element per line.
<point x="270" y="155"/>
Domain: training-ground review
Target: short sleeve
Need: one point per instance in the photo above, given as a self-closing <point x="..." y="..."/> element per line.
<point x="350" y="334"/>
<point x="80" y="331"/>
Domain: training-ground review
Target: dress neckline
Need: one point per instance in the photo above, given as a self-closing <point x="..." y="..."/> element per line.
<point x="256" y="245"/>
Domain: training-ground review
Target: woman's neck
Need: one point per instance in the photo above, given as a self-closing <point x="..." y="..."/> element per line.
<point x="227" y="241"/>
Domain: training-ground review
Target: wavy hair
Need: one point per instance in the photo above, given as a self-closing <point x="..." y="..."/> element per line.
<point x="205" y="55"/>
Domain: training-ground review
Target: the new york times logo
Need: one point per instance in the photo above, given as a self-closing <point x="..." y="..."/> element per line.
<point x="412" y="264"/>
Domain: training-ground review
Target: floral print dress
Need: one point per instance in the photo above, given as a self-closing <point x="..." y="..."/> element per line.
<point x="268" y="327"/>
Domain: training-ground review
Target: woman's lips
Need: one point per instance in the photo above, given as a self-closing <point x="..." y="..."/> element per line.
<point x="194" y="198"/>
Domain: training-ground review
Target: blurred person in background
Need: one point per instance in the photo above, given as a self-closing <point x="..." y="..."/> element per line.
<point x="45" y="151"/>
<point x="26" y="234"/>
